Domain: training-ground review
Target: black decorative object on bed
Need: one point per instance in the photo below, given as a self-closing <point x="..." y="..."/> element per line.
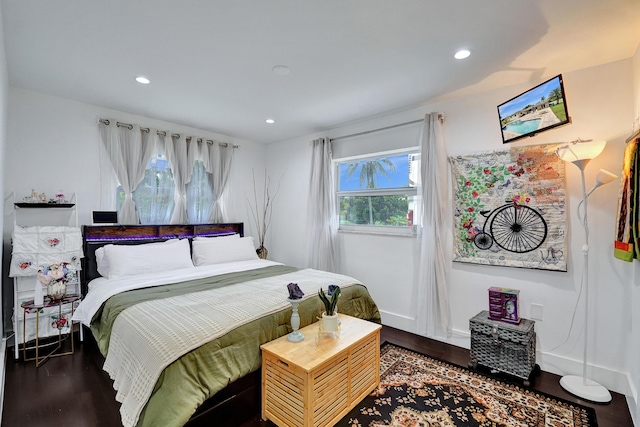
<point x="224" y="303"/>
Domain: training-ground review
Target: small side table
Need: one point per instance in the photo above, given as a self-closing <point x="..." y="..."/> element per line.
<point x="502" y="346"/>
<point x="30" y="306"/>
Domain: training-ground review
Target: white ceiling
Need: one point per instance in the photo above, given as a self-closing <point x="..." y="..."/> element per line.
<point x="210" y="61"/>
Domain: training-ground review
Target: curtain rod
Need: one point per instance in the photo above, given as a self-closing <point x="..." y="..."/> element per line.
<point x="177" y="135"/>
<point x="440" y="117"/>
<point x="635" y="135"/>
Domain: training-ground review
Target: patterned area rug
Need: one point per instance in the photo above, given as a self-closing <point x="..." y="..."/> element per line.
<point x="418" y="391"/>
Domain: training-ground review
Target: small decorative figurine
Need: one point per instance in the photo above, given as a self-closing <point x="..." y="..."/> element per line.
<point x="294" y="291"/>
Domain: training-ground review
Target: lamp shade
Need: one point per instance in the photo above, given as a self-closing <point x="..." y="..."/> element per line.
<point x="604" y="177"/>
<point x="580" y="150"/>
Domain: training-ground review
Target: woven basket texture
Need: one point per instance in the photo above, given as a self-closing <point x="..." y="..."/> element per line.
<point x="502" y="346"/>
<point x="521" y="333"/>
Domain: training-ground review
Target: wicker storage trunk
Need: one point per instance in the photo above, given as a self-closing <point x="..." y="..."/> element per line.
<point x="503" y="346"/>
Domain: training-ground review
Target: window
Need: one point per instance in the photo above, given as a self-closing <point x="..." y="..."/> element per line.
<point x="379" y="193"/>
<point x="154" y="195"/>
<point x="200" y="198"/>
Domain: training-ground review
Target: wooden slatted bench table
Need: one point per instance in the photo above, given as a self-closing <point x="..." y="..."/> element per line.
<point x="317" y="382"/>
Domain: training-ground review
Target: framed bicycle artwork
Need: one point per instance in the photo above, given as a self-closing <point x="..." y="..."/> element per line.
<point x="510" y="208"/>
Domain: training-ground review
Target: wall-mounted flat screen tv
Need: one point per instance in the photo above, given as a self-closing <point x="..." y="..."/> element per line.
<point x="540" y="108"/>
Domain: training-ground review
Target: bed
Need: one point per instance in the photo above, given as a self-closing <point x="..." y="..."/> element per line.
<point x="180" y="312"/>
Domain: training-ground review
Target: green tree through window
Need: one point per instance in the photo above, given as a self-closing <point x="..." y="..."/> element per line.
<point x="370" y="169"/>
<point x="384" y="194"/>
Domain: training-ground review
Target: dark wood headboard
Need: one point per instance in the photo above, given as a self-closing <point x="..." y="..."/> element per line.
<point x="96" y="236"/>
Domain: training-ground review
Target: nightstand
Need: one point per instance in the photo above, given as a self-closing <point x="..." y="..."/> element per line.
<point x="502" y="346"/>
<point x="60" y="323"/>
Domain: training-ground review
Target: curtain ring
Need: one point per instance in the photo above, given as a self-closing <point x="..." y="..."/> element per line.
<point x="126" y="125"/>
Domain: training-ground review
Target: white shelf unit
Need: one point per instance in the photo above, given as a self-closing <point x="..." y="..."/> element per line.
<point x="34" y="214"/>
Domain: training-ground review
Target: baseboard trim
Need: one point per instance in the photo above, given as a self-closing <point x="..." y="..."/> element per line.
<point x="560" y="365"/>
<point x="398" y="321"/>
<point x="632" y="402"/>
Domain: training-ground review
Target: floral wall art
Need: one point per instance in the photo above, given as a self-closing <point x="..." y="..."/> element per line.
<point x="510" y="209"/>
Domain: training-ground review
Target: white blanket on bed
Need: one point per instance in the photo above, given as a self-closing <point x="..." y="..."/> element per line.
<point x="149" y="336"/>
<point x="101" y="289"/>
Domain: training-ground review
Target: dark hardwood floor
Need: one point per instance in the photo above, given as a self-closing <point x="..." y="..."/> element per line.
<point x="73" y="391"/>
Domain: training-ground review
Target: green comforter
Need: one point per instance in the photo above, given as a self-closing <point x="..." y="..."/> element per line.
<point x="189" y="381"/>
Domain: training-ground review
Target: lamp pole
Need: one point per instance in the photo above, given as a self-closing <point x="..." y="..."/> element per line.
<point x="585" y="272"/>
<point x="581" y="386"/>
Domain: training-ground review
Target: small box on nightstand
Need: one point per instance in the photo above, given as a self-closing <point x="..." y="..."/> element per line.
<point x="502" y="346"/>
<point x="504" y="305"/>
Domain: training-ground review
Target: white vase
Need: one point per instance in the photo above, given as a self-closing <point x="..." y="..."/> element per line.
<point x="56" y="290"/>
<point x="262" y="252"/>
<point x="329" y="323"/>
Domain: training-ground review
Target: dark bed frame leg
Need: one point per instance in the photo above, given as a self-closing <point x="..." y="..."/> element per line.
<point x="232" y="406"/>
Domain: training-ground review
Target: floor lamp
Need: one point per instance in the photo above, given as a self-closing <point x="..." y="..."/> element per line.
<point x="579" y="153"/>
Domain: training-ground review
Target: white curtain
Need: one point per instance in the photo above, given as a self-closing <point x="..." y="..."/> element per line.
<point x="128" y="150"/>
<point x="154" y="195"/>
<point x="436" y="257"/>
<point x="155" y="170"/>
<point x="321" y="215"/>
<point x="200" y="198"/>
<point x="218" y="164"/>
<point x="181" y="154"/>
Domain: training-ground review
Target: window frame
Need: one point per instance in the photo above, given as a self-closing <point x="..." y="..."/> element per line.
<point x="384" y="230"/>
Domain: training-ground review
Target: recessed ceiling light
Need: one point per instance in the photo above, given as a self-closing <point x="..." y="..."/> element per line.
<point x="461" y="54"/>
<point x="270" y="121"/>
<point x="143" y="80"/>
<point x="281" y="70"/>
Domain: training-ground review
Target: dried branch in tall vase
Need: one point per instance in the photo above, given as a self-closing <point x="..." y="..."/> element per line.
<point x="262" y="214"/>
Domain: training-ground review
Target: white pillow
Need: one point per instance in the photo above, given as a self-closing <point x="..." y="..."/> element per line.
<point x="102" y="261"/>
<point x="128" y="260"/>
<point x="226" y="236"/>
<point x="218" y="251"/>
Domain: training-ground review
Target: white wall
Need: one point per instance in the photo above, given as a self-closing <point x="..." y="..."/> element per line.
<point x="634" y="348"/>
<point x="600" y="104"/>
<point x="4" y="90"/>
<point x="52" y="144"/>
